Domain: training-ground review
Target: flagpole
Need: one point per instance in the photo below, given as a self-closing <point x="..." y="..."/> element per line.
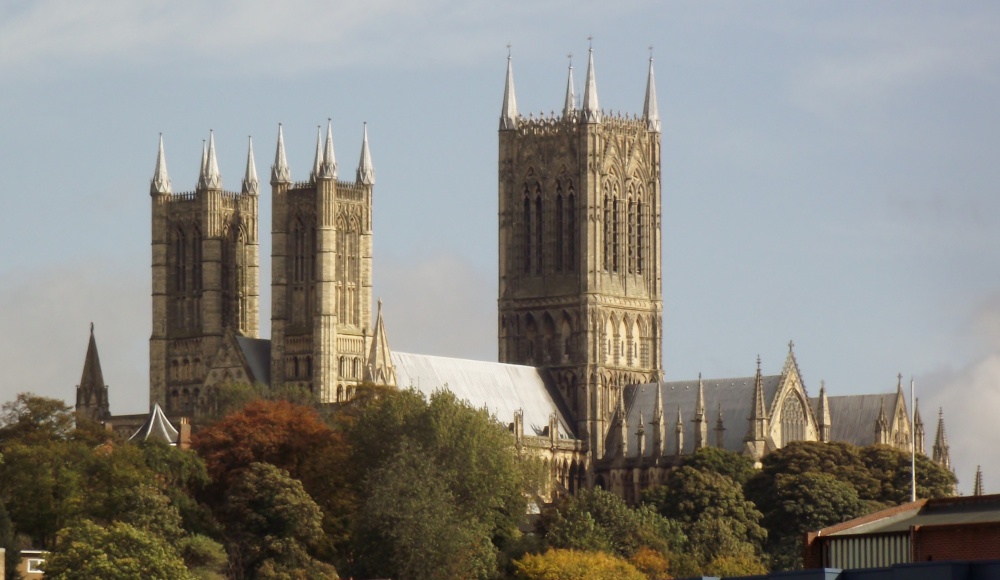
<point x="913" y="447"/>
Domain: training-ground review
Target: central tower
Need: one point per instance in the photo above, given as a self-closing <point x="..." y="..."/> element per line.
<point x="579" y="222"/>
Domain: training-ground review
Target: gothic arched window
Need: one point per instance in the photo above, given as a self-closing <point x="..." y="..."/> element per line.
<point x="526" y="258"/>
<point x="640" y="242"/>
<point x="607" y="233"/>
<point x="560" y="233"/>
<point x="571" y="228"/>
<point x="539" y="240"/>
<point x="793" y="420"/>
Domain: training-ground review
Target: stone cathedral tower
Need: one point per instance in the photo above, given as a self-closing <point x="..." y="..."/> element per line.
<point x="321" y="286"/>
<point x="580" y="290"/>
<point x="205" y="277"/>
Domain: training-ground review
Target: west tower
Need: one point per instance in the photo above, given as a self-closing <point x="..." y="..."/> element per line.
<point x="579" y="271"/>
<point x="204" y="274"/>
<point x="321" y="283"/>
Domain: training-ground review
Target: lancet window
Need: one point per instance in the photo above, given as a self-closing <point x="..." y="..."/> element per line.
<point x="793" y="420"/>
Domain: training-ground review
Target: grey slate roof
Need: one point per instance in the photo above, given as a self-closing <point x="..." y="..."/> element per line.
<point x="735" y="395"/>
<point x="853" y="417"/>
<point x="157" y="426"/>
<point x="502" y="388"/>
<point x="257" y="352"/>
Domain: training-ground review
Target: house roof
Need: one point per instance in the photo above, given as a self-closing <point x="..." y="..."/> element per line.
<point x="157" y="426"/>
<point x="931" y="512"/>
<point x="502" y="388"/>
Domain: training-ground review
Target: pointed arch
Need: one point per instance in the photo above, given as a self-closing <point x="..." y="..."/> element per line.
<point x="550" y="346"/>
<point x="566" y="336"/>
<point x="529" y="346"/>
<point x="572" y="235"/>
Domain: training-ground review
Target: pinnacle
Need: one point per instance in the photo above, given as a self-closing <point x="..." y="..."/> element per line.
<point x="279" y="171"/>
<point x="318" y="159"/>
<point x="160" y="184"/>
<point x="328" y="169"/>
<point x="366" y="172"/>
<point x="210" y="178"/>
<point x="591" y="109"/>
<point x="250" y="182"/>
<point x="508" y="114"/>
<point x="650" y="110"/>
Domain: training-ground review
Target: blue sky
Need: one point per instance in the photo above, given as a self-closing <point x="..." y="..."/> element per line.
<point x="829" y="172"/>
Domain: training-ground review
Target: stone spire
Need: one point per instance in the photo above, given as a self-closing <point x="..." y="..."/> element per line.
<point x="720" y="431"/>
<point x="508" y="114"/>
<point x="366" y="172"/>
<point x="920" y="436"/>
<point x="659" y="424"/>
<point x="679" y="432"/>
<point x="700" y="422"/>
<point x="591" y="113"/>
<point x="328" y="169"/>
<point x="824" y="414"/>
<point x="977" y="488"/>
<point x="204" y="160"/>
<point x="250" y="183"/>
<point x="881" y="426"/>
<point x="758" y="414"/>
<point x="92" y="393"/>
<point x="318" y="158"/>
<point x="379" y="368"/>
<point x="160" y="184"/>
<point x="569" y="106"/>
<point x="942" y="456"/>
<point x="210" y="178"/>
<point x="650" y="111"/>
<point x="279" y="171"/>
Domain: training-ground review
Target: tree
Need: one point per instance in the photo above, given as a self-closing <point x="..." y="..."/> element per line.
<point x="119" y="551"/>
<point x="416" y="526"/>
<point x="8" y="541"/>
<point x="892" y="469"/>
<point x="32" y="419"/>
<point x="573" y="565"/>
<point x="735" y="466"/>
<point x="841" y="460"/>
<point x="272" y="524"/>
<point x="803" y="502"/>
<point x="472" y="457"/>
<point x="290" y="437"/>
<point x="598" y="520"/>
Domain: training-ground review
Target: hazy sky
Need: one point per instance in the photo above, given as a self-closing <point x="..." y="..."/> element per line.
<point x="829" y="169"/>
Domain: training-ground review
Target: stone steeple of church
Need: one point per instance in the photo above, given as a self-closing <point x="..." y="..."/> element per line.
<point x="650" y="110"/>
<point x="758" y="429"/>
<point x="92" y="393"/>
<point x="942" y="455"/>
<point x="379" y="368"/>
<point x="580" y="290"/>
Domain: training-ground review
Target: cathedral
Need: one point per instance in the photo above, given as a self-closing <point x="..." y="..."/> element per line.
<point x="579" y="377"/>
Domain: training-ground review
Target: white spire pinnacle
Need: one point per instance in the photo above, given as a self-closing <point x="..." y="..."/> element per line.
<point x="569" y="107"/>
<point x="204" y="160"/>
<point x="366" y="172"/>
<point x="591" y="112"/>
<point x="328" y="169"/>
<point x="160" y="182"/>
<point x="318" y="159"/>
<point x="250" y="183"/>
<point x="279" y="171"/>
<point x="650" y="111"/>
<point x="210" y="178"/>
<point x="508" y="115"/>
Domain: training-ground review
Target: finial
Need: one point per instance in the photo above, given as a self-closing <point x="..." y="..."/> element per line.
<point x="569" y="56"/>
<point x="791" y="345"/>
<point x="758" y="363"/>
<point x="508" y="51"/>
<point x="651" y="53"/>
<point x="91" y="329"/>
<point x="366" y="171"/>
<point x="822" y="385"/>
<point x="160" y="184"/>
<point x="380" y="303"/>
<point x="590" y="42"/>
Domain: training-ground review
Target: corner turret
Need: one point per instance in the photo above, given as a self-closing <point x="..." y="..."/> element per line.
<point x="251" y="185"/>
<point x="210" y="177"/>
<point x="569" y="104"/>
<point x="590" y="113"/>
<point x="328" y="169"/>
<point x="650" y="111"/>
<point x="318" y="157"/>
<point x="279" y="171"/>
<point x="508" y="114"/>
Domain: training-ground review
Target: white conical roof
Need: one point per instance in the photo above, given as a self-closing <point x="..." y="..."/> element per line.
<point x="161" y="181"/>
<point x="591" y="111"/>
<point x="279" y="171"/>
<point x="650" y="111"/>
<point x="366" y="172"/>
<point x="328" y="169"/>
<point x="508" y="114"/>
<point x="250" y="182"/>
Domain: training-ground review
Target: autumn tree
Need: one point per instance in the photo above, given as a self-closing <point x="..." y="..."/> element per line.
<point x="573" y="565"/>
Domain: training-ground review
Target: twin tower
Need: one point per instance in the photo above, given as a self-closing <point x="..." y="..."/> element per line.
<point x="206" y="285"/>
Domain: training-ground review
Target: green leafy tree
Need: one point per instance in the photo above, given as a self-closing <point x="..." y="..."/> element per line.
<point x="118" y="551"/>
<point x="472" y="455"/>
<point x="841" y="460"/>
<point x="803" y="502"/>
<point x="8" y="541"/>
<point x="597" y="520"/>
<point x="272" y="525"/>
<point x="735" y="466"/>
<point x="181" y="475"/>
<point x="892" y="469"/>
<point x="574" y="565"/>
<point x="31" y="419"/>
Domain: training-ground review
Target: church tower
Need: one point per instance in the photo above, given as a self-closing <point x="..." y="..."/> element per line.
<point x="92" y="393"/>
<point x="579" y="271"/>
<point x="205" y="277"/>
<point x="321" y="286"/>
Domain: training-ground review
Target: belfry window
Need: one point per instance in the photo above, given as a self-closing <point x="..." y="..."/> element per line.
<point x="527" y="234"/>
<point x="539" y="244"/>
<point x="571" y="221"/>
<point x="560" y="237"/>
